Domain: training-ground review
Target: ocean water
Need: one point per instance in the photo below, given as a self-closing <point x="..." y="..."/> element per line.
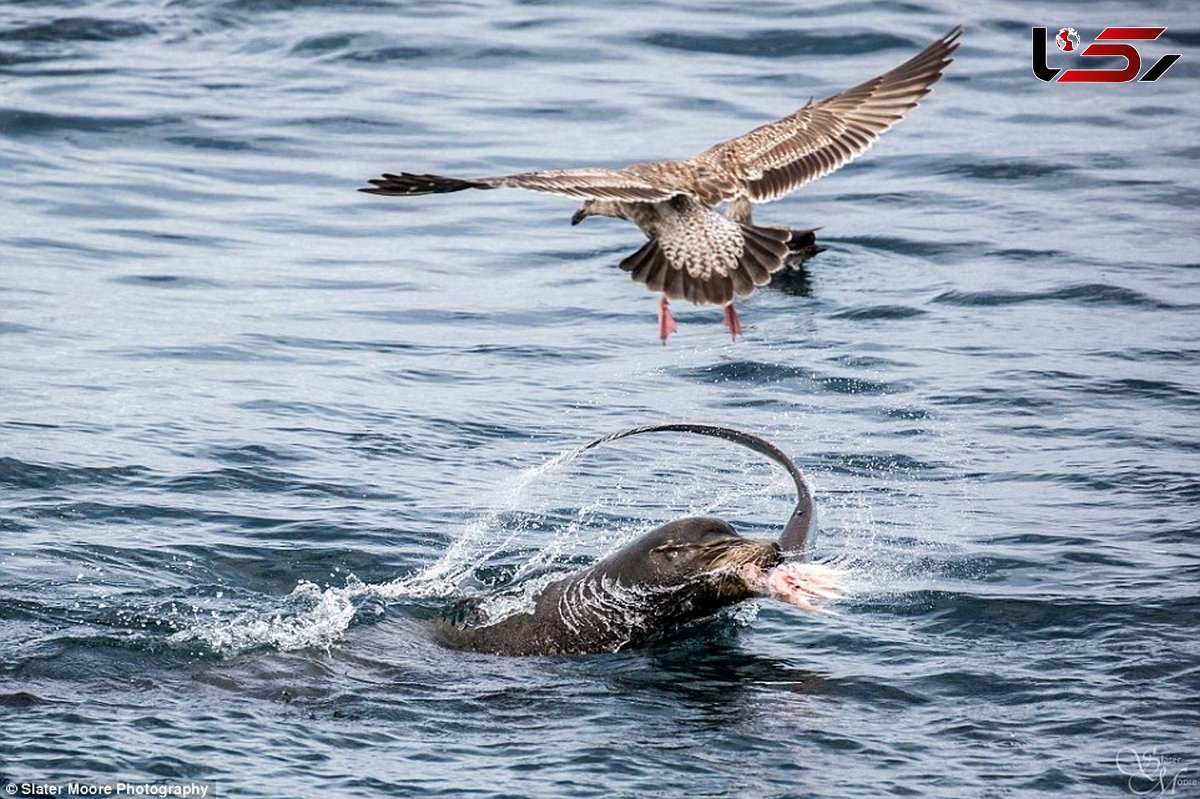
<point x="258" y="431"/>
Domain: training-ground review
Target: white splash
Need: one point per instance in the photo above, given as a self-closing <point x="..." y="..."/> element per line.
<point x="312" y="619"/>
<point x="481" y="540"/>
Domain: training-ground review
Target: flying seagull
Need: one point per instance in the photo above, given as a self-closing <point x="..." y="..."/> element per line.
<point x="693" y="252"/>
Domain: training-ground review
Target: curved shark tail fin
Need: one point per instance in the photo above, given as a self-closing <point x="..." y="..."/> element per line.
<point x="800" y="531"/>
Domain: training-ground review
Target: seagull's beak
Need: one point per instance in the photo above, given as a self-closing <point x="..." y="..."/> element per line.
<point x="579" y="216"/>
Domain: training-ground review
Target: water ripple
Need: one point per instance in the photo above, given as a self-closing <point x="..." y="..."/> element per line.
<point x="884" y="312"/>
<point x="1084" y="294"/>
<point x="769" y="43"/>
<point x="771" y="374"/>
<point x="78" y="29"/>
<point x="18" y="474"/>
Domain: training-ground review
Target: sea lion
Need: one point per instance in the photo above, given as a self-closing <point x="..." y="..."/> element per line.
<point x="680" y="572"/>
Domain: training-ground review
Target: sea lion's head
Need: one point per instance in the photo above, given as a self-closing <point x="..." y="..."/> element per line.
<point x="702" y="561"/>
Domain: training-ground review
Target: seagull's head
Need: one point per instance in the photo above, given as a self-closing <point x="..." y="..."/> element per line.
<point x="597" y="208"/>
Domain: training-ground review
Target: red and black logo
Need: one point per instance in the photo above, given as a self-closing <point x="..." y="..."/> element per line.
<point x="1067" y="40"/>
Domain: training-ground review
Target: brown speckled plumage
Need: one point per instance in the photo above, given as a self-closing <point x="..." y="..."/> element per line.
<point x="693" y="252"/>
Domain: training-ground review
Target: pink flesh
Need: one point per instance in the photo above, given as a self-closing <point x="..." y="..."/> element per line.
<point x="804" y="585"/>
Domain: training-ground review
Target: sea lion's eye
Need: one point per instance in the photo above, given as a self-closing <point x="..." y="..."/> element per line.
<point x="669" y="551"/>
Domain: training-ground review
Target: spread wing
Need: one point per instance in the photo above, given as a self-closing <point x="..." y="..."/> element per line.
<point x="782" y="156"/>
<point x="591" y="183"/>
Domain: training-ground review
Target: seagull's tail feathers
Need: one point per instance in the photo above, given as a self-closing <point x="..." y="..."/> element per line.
<point x="764" y="252"/>
<point x="802" y="246"/>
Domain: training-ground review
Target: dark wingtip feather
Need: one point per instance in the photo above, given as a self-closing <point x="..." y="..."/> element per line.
<point x="409" y="184"/>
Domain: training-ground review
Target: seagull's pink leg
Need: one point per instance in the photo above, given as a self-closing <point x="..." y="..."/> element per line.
<point x="666" y="322"/>
<point x="731" y="321"/>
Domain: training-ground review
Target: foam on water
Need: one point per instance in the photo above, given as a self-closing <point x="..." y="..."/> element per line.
<point x="309" y="618"/>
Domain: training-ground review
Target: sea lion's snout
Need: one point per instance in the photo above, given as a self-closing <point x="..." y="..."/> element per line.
<point x="766" y="553"/>
<point x="748" y="552"/>
<point x="776" y="551"/>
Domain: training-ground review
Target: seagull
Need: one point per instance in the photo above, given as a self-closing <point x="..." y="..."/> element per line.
<point x="692" y="251"/>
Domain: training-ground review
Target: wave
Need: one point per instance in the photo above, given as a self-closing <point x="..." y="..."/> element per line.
<point x="1083" y="294"/>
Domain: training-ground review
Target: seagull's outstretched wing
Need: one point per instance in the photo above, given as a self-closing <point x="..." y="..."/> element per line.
<point x="782" y="156"/>
<point x="592" y="183"/>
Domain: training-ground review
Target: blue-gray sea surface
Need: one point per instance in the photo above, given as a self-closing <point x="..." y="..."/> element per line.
<point x="259" y="431"/>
